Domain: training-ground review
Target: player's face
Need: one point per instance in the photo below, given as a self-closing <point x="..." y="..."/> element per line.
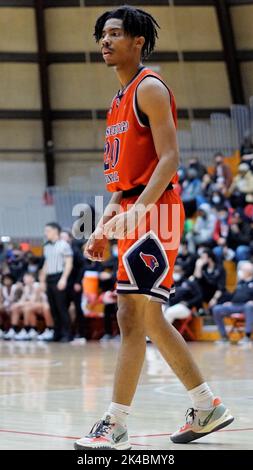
<point x="117" y="47"/>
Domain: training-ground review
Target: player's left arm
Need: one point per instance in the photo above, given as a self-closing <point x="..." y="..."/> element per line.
<point x="154" y="101"/>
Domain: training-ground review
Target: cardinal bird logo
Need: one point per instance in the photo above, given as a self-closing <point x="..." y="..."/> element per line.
<point x="150" y="261"/>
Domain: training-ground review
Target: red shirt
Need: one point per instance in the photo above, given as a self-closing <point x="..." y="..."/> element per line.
<point x="130" y="157"/>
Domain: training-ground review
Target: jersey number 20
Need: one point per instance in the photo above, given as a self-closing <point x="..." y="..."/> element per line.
<point x="111" y="155"/>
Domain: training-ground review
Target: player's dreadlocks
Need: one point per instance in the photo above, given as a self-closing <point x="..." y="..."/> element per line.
<point x="136" y="22"/>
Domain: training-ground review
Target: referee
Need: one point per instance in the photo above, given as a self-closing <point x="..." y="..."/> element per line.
<point x="56" y="269"/>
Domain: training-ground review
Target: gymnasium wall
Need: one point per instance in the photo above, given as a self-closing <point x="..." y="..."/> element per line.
<point x="81" y="87"/>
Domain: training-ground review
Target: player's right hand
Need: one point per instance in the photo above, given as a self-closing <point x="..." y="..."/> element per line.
<point x="94" y="249"/>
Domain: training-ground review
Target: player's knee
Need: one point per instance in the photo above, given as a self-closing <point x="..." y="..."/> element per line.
<point x="129" y="319"/>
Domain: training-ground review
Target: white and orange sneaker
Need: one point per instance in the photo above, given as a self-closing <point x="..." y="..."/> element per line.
<point x="106" y="434"/>
<point x="199" y="423"/>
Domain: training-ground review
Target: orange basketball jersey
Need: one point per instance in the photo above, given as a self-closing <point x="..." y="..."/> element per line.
<point x="130" y="156"/>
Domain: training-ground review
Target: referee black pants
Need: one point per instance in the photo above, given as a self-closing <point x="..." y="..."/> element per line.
<point x="59" y="308"/>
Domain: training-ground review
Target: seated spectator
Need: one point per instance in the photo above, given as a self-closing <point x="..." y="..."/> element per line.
<point x="191" y="190"/>
<point x="198" y="166"/>
<point x="203" y="229"/>
<point x="31" y="303"/>
<point x="211" y="277"/>
<point x="217" y="200"/>
<point x="34" y="263"/>
<point x="186" y="260"/>
<point x="221" y="251"/>
<point x="241" y="302"/>
<point x="207" y="186"/>
<point x="241" y="189"/>
<point x="17" y="265"/>
<point x="222" y="175"/>
<point x="187" y="296"/>
<point x="239" y="236"/>
<point x="247" y="149"/>
<point x="9" y="294"/>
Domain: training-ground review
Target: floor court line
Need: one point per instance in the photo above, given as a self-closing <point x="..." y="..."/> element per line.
<point x="58" y="436"/>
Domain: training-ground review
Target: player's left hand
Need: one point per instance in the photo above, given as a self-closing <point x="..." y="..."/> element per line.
<point x="122" y="224"/>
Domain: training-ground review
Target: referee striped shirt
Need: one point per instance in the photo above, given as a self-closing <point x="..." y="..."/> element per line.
<point x="55" y="254"/>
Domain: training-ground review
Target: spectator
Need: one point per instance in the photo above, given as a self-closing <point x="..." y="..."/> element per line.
<point x="186" y="259"/>
<point x="239" y="235"/>
<point x="199" y="167"/>
<point x="211" y="277"/>
<point x="203" y="229"/>
<point x="9" y="293"/>
<point x="222" y="174"/>
<point x="247" y="149"/>
<point x="241" y="302"/>
<point x="217" y="200"/>
<point x="54" y="276"/>
<point x="31" y="303"/>
<point x="241" y="189"/>
<point x="207" y="186"/>
<point x="191" y="191"/>
<point x="17" y="265"/>
<point x="188" y="295"/>
<point x="74" y="286"/>
<point x="34" y="263"/>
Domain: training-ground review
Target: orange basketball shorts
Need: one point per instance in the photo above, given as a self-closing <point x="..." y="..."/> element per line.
<point x="146" y="258"/>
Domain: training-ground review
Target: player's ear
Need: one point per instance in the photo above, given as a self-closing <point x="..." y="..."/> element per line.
<point x="139" y="42"/>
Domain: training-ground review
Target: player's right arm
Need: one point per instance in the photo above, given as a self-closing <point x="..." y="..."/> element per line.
<point x="95" y="246"/>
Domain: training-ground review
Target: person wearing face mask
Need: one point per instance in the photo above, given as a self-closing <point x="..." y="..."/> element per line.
<point x="187" y="296"/>
<point x="217" y="200"/>
<point x="191" y="190"/>
<point x="241" y="189"/>
<point x="203" y="229"/>
<point x="222" y="173"/>
<point x="241" y="302"/>
<point x="239" y="236"/>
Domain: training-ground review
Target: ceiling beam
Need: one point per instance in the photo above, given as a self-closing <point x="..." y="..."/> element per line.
<point x="45" y="94"/>
<point x="230" y="53"/>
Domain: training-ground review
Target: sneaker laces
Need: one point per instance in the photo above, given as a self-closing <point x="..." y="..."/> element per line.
<point x="189" y="416"/>
<point x="100" y="428"/>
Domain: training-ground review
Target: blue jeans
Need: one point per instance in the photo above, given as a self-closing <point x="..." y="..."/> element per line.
<point x="242" y="253"/>
<point x="221" y="311"/>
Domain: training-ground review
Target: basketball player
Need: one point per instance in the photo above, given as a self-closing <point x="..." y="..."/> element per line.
<point x="141" y="160"/>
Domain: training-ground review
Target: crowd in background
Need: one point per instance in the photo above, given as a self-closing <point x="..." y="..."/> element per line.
<point x="218" y="228"/>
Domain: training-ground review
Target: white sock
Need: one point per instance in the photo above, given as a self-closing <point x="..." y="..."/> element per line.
<point x="120" y="412"/>
<point x="202" y="397"/>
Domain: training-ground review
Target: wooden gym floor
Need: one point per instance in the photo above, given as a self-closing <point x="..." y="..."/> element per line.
<point x="50" y="394"/>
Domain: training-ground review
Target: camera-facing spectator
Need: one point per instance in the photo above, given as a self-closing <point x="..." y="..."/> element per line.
<point x="241" y="301"/>
<point x="211" y="277"/>
<point x="239" y="235"/>
<point x="191" y="191"/>
<point x="198" y="166"/>
<point x="187" y="296"/>
<point x="247" y="149"/>
<point x="241" y="189"/>
<point x="222" y="176"/>
<point x="186" y="259"/>
<point x="17" y="264"/>
<point x="31" y="304"/>
<point x="10" y="292"/>
<point x="203" y="229"/>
